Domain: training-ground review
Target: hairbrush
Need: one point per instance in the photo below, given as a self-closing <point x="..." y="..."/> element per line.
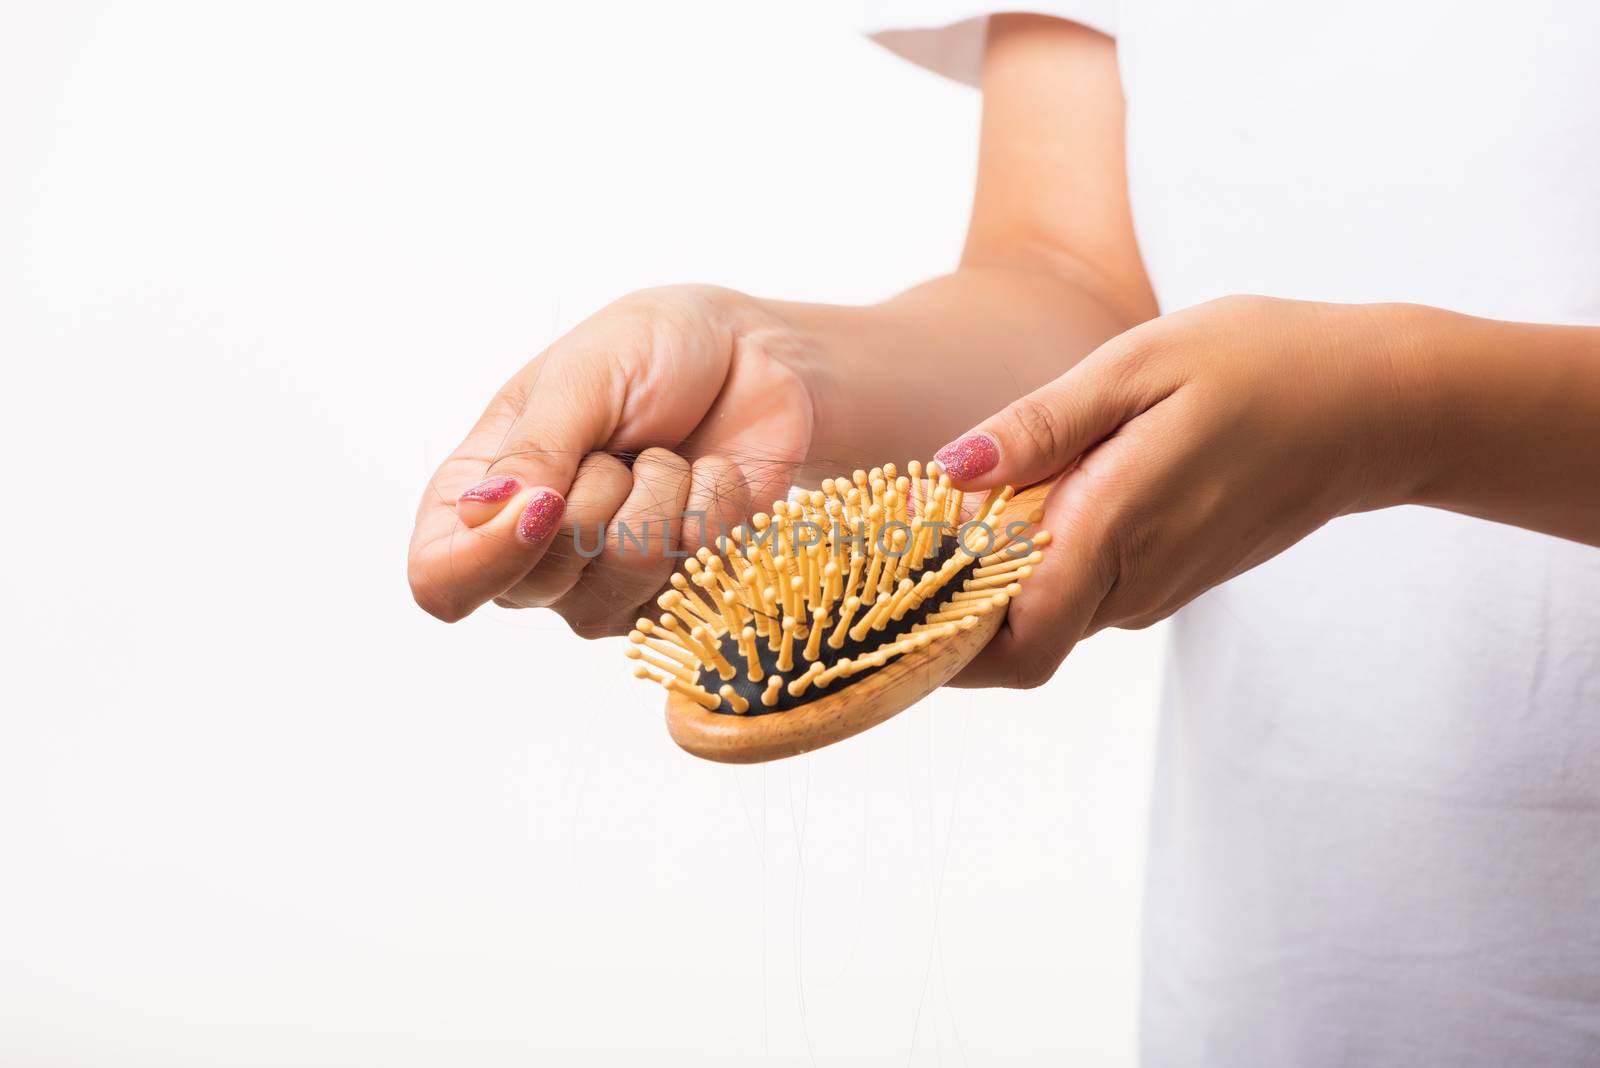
<point x="838" y="609"/>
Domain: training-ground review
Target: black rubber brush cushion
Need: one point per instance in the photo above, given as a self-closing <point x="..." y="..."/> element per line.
<point x="752" y="691"/>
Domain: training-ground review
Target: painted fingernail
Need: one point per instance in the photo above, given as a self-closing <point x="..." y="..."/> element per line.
<point x="492" y="490"/>
<point x="969" y="457"/>
<point x="540" y="516"/>
<point x="486" y="500"/>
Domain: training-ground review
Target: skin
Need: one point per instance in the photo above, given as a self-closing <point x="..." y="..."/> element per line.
<point x="1195" y="444"/>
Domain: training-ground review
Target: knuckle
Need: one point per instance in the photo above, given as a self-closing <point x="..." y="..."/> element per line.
<point x="1129" y="548"/>
<point x="659" y="478"/>
<point x="691" y="301"/>
<point x="1030" y="673"/>
<point x="1239" y="302"/>
<point x="602" y="466"/>
<point x="1038" y="424"/>
<point x="1132" y="545"/>
<point x="1144" y="620"/>
<point x="661" y="462"/>
<point x="1129" y="366"/>
<point x="665" y="319"/>
<point x="591" y="630"/>
<point x="507" y="406"/>
<point x="1130" y="370"/>
<point x="599" y="489"/>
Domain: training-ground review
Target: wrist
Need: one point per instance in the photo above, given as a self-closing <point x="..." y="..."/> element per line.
<point x="1403" y="347"/>
<point x="901" y="378"/>
<point x="1503" y="413"/>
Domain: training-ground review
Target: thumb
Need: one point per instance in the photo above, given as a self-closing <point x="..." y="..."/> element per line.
<point x="494" y="506"/>
<point x="565" y="409"/>
<point x="568" y="408"/>
<point x="1040" y="434"/>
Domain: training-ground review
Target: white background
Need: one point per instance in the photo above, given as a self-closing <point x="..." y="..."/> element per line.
<point x="260" y="265"/>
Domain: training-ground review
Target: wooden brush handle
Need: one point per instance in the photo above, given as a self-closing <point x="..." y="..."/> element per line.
<point x="865" y="702"/>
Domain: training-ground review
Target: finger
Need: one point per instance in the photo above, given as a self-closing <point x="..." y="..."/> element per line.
<point x="463" y="552"/>
<point x="638" y="557"/>
<point x="601" y="485"/>
<point x="1041" y="434"/>
<point x="1058" y="603"/>
<point x="454" y="568"/>
<point x="719" y="500"/>
<point x="570" y="407"/>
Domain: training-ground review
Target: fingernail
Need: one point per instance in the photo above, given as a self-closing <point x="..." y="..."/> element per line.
<point x="484" y="501"/>
<point x="969" y="457"/>
<point x="492" y="490"/>
<point x="540" y="516"/>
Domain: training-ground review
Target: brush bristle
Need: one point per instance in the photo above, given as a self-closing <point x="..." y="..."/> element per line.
<point x="830" y="586"/>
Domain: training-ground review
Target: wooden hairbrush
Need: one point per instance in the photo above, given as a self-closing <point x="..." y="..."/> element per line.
<point x="840" y="608"/>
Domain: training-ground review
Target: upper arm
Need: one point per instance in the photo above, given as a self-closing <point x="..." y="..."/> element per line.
<point x="1052" y="186"/>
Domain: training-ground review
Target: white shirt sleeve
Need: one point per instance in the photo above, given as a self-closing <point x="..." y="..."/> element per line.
<point x="947" y="36"/>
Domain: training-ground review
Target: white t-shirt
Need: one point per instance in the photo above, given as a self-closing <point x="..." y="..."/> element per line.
<point x="1376" y="832"/>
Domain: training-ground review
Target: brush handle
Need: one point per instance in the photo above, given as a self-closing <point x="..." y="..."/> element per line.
<point x="865" y="703"/>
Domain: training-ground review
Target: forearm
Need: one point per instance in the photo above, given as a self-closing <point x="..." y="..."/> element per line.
<point x="894" y="381"/>
<point x="1508" y="418"/>
<point x="1051" y="268"/>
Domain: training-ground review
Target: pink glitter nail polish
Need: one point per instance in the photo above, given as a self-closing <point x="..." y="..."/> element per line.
<point x="969" y="457"/>
<point x="492" y="490"/>
<point x="540" y="516"/>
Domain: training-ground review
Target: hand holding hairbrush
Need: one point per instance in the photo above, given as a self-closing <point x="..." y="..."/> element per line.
<point x="840" y="608"/>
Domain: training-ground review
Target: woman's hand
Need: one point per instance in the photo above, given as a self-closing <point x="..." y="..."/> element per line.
<point x="710" y="391"/>
<point x="1195" y="446"/>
